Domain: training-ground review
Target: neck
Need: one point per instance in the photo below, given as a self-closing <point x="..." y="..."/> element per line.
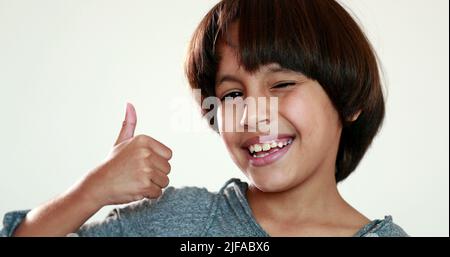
<point x="316" y="199"/>
<point x="300" y="202"/>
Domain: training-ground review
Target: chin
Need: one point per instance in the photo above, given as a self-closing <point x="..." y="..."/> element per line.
<point x="270" y="182"/>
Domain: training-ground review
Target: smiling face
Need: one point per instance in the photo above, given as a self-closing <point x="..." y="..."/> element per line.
<point x="308" y="125"/>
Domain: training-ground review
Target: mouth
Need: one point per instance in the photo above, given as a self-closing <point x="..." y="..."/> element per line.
<point x="265" y="150"/>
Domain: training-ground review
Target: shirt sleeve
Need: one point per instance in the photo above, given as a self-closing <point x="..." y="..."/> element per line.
<point x="111" y="226"/>
<point x="11" y="221"/>
<point x="384" y="228"/>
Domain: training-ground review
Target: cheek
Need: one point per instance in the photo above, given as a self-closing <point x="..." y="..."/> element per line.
<point x="294" y="108"/>
<point x="231" y="141"/>
<point x="228" y="139"/>
<point x="311" y="114"/>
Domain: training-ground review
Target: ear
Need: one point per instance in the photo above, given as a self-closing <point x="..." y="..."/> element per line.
<point x="355" y="116"/>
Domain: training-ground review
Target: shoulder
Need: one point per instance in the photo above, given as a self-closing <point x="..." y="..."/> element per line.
<point x="383" y="228"/>
<point x="178" y="211"/>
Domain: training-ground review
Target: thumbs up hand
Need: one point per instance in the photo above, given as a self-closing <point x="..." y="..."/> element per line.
<point x="137" y="167"/>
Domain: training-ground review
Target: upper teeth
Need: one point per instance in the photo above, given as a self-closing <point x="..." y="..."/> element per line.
<point x="256" y="148"/>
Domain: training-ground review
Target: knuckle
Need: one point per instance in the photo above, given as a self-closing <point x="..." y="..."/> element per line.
<point x="146" y="183"/>
<point x="151" y="173"/>
<point x="150" y="156"/>
<point x="144" y="164"/>
<point x="141" y="153"/>
<point x="146" y="169"/>
<point x="141" y="138"/>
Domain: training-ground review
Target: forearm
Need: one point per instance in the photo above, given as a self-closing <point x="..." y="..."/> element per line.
<point x="61" y="216"/>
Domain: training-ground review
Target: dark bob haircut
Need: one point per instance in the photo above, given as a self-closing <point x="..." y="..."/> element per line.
<point x="318" y="38"/>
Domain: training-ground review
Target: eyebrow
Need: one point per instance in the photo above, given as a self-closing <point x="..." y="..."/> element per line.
<point x="226" y="78"/>
<point x="231" y="78"/>
<point x="276" y="69"/>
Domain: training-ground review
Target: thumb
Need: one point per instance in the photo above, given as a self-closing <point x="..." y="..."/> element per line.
<point x="128" y="125"/>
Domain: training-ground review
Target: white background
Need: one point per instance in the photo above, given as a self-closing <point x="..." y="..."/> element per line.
<point x="68" y="67"/>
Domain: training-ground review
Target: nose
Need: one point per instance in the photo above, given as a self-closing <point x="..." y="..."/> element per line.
<point x="254" y="115"/>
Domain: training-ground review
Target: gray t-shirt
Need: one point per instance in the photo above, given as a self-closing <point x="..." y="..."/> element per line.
<point x="190" y="211"/>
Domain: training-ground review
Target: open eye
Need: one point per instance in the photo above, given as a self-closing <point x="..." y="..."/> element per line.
<point x="284" y="84"/>
<point x="233" y="95"/>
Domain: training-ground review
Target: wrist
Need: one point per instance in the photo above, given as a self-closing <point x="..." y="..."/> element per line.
<point x="85" y="193"/>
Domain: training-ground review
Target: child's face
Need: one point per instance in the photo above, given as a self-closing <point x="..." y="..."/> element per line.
<point x="306" y="117"/>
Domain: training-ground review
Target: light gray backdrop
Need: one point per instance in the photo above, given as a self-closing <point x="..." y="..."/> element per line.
<point x="68" y="67"/>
